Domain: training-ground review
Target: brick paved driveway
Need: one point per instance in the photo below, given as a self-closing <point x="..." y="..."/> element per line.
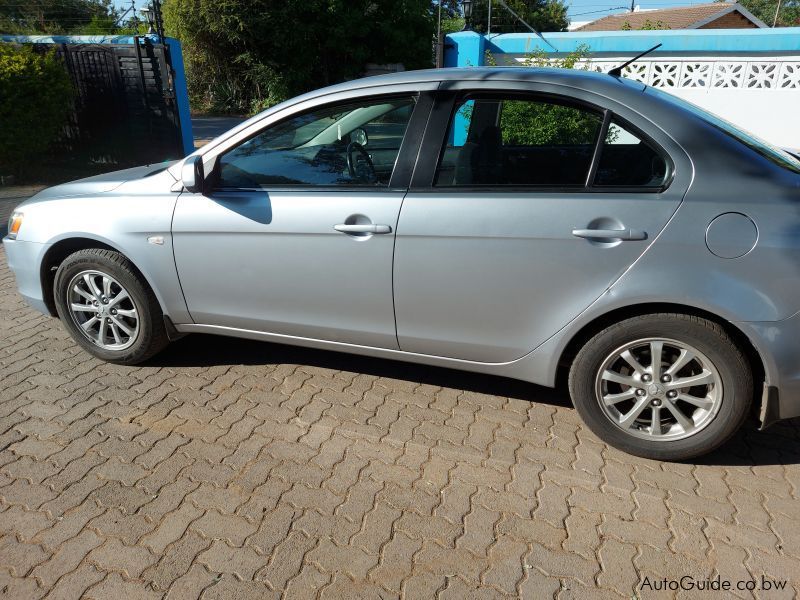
<point x="233" y="469"/>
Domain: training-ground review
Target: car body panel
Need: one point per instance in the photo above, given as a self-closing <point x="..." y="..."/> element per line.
<point x="278" y="265"/>
<point x="125" y="218"/>
<point x="508" y="272"/>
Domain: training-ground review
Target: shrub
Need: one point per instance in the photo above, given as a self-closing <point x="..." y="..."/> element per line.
<point x="35" y="98"/>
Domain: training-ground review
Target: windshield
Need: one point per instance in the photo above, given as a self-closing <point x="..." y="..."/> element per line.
<point x="768" y="151"/>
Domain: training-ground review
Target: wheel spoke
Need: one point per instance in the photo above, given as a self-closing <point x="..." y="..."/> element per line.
<point x="88" y="324"/>
<point x="684" y="358"/>
<point x="655" y="421"/>
<point x="704" y="403"/>
<point x="122" y="326"/>
<point x="611" y="399"/>
<point x="101" y="332"/>
<point x="123" y="295"/>
<point x="656" y="349"/>
<point x="92" y="286"/>
<point x="82" y="308"/>
<point x="633" y="414"/>
<point x="704" y="378"/>
<point x="106" y="287"/>
<point x="681" y="418"/>
<point x="83" y="293"/>
<point x="115" y="333"/>
<point x="631" y="360"/>
<point x="619" y="378"/>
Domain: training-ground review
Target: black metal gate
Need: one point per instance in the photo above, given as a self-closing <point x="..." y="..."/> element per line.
<point x="125" y="110"/>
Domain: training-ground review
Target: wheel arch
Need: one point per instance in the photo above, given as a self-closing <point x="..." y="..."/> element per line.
<point x="757" y="364"/>
<point x="60" y="250"/>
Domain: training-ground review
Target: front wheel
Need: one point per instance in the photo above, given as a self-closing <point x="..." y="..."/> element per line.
<point x="663" y="386"/>
<point x="107" y="307"/>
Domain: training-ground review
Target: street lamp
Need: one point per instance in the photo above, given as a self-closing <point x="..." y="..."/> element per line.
<point x="466" y="6"/>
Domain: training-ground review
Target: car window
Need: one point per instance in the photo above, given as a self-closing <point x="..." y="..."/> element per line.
<point x="346" y="144"/>
<point x="628" y="161"/>
<point x="513" y="142"/>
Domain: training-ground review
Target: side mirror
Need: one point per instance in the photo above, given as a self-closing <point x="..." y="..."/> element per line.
<point x="192" y="174"/>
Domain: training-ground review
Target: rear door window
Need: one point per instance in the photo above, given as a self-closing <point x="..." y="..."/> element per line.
<point x="519" y="142"/>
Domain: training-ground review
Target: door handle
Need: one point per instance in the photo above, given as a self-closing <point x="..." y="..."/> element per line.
<point x="626" y="235"/>
<point x="363" y="228"/>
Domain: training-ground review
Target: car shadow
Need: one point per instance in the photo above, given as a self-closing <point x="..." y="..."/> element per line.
<point x="198" y="350"/>
<point x="779" y="445"/>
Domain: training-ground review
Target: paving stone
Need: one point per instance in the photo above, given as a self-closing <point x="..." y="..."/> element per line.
<point x="231" y="469"/>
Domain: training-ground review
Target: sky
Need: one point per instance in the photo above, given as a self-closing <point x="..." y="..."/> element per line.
<point x="589" y="10"/>
<point x="579" y="10"/>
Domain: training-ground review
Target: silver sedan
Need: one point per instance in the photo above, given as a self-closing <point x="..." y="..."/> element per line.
<point x="534" y="224"/>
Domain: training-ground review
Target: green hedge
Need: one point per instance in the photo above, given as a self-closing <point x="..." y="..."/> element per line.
<point x="35" y="99"/>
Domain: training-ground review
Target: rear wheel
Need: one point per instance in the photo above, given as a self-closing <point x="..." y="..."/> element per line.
<point x="663" y="386"/>
<point x="107" y="307"/>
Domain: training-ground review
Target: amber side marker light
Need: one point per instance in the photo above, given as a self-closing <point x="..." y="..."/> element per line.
<point x="14" y="223"/>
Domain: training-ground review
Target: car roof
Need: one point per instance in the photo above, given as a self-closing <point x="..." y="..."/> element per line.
<point x="576" y="77"/>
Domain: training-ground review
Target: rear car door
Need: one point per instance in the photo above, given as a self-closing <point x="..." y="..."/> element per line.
<point x="504" y="236"/>
<point x="295" y="233"/>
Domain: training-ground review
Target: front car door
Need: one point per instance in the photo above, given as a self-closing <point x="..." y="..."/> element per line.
<point x="502" y="239"/>
<point x="296" y="232"/>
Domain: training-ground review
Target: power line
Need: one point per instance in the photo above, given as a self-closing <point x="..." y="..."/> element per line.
<point x="591" y="12"/>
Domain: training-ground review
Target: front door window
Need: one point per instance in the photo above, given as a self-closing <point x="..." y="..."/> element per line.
<point x="352" y="144"/>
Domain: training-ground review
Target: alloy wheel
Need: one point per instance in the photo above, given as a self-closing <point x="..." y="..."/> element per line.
<point x="103" y="310"/>
<point x="659" y="389"/>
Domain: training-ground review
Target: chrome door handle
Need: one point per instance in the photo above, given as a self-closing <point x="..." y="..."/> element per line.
<point x="363" y="228"/>
<point x="626" y="235"/>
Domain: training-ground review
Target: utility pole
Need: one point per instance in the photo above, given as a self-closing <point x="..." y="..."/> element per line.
<point x="133" y="16"/>
<point x="159" y="23"/>
<point x="633" y="7"/>
<point x="489" y="25"/>
<point x="439" y="38"/>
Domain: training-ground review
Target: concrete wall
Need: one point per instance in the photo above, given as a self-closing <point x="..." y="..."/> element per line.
<point x="748" y="77"/>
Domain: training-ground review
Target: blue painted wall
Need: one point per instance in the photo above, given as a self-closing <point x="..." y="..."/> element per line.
<point x="181" y="93"/>
<point x="467" y="48"/>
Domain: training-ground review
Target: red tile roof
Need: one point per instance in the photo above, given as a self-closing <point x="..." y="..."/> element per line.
<point x="684" y="17"/>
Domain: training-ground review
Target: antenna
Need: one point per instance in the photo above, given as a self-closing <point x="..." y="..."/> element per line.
<point x="617" y="71"/>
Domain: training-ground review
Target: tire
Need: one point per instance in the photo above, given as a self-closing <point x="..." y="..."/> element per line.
<point x="641" y="413"/>
<point x="132" y="302"/>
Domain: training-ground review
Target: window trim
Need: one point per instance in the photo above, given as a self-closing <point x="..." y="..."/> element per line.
<point x="400" y="177"/>
<point x="447" y="103"/>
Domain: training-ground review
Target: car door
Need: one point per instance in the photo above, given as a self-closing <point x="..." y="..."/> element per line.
<point x="503" y="237"/>
<point x="295" y="233"/>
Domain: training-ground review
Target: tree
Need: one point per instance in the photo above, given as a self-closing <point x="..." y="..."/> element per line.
<point x="244" y="55"/>
<point x="55" y="16"/>
<point x="542" y="15"/>
<point x="542" y="123"/>
<point x="35" y="99"/>
<point x="788" y="16"/>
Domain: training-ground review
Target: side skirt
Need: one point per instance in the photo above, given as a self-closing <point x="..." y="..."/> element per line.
<point x="518" y="369"/>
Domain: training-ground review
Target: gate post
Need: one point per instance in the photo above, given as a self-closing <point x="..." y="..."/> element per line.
<point x="464" y="49"/>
